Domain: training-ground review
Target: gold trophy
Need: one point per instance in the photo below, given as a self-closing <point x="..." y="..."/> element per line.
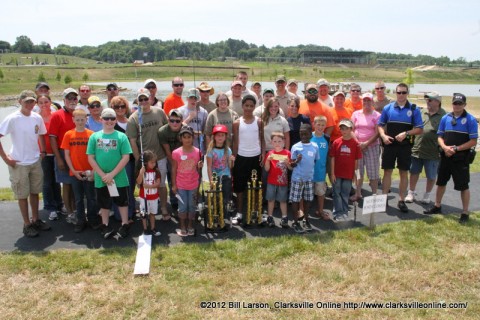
<point x="215" y="221"/>
<point x="254" y="200"/>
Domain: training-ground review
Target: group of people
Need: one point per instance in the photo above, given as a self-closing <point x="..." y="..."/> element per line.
<point x="96" y="152"/>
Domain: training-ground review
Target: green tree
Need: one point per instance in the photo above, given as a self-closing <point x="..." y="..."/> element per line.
<point x="68" y="79"/>
<point x="85" y="77"/>
<point x="409" y="79"/>
<point x="59" y="76"/>
<point x="23" y="45"/>
<point x="41" y="77"/>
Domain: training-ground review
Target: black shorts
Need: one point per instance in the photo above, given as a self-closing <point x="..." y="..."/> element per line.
<point x="401" y="154"/>
<point x="104" y="201"/>
<point x="459" y="170"/>
<point x="242" y="171"/>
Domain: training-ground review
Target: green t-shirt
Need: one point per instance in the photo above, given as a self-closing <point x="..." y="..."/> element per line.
<point x="426" y="144"/>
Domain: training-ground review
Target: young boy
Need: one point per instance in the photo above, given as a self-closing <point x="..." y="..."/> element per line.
<point x="304" y="155"/>
<point x="108" y="152"/>
<point x="344" y="154"/>
<point x="276" y="165"/>
<point x="319" y="173"/>
<point x="75" y="145"/>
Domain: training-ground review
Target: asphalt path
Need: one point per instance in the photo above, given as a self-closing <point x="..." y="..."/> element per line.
<point x="62" y="236"/>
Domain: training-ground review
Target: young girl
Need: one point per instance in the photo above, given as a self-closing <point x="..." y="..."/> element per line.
<point x="148" y="178"/>
<point x="220" y="160"/>
<point x="185" y="168"/>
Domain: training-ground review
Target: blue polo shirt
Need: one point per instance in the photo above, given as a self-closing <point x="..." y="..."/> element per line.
<point x="457" y="131"/>
<point x="399" y="120"/>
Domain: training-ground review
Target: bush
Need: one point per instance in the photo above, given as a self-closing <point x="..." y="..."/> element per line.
<point x="68" y="79"/>
<point x="58" y="77"/>
<point x="41" y="77"/>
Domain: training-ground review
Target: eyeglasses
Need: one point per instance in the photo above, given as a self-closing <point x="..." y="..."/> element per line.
<point x="151" y="87"/>
<point x="402" y="92"/>
<point x="112" y="89"/>
<point x="178" y="84"/>
<point x="458" y="103"/>
<point x="380" y="88"/>
<point x="355" y="90"/>
<point x="93" y="106"/>
<point x="109" y="118"/>
<point x="84" y="90"/>
<point x="175" y="120"/>
<point x="142" y="99"/>
<point x="72" y="98"/>
<point x="122" y="106"/>
<point x="312" y="91"/>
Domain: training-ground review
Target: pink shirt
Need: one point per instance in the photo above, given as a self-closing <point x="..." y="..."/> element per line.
<point x="187" y="173"/>
<point x="365" y="125"/>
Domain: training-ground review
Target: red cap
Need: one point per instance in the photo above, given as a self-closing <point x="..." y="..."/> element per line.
<point x="220" y="128"/>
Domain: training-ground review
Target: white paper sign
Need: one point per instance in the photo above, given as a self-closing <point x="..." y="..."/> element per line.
<point x="144" y="251"/>
<point x="374" y="204"/>
<point x="112" y="189"/>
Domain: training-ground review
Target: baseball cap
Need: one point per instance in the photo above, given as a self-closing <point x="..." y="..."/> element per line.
<point x="458" y="97"/>
<point x="433" y="95"/>
<point x="367" y="95"/>
<point x="235" y="83"/>
<point x="346" y="122"/>
<point x="280" y="78"/>
<point x="42" y="84"/>
<point x="26" y="95"/>
<point x="148" y="81"/>
<point x="175" y="113"/>
<point x="143" y="92"/>
<point x="93" y="99"/>
<point x="220" y="128"/>
<point x="204" y="86"/>
<point x="268" y="90"/>
<point x="292" y="81"/>
<point x="186" y="129"/>
<point x="193" y="93"/>
<point x="322" y="82"/>
<point x="108" y="112"/>
<point x="256" y="83"/>
<point x="339" y="93"/>
<point x="67" y="91"/>
<point x="112" y="84"/>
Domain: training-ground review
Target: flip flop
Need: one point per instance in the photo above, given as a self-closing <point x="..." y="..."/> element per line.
<point x="181" y="233"/>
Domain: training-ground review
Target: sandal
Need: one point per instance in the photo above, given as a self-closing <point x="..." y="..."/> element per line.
<point x="191" y="232"/>
<point x="325" y="216"/>
<point x="181" y="233"/>
<point x="355" y="198"/>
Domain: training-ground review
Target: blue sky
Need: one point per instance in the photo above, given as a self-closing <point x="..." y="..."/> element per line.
<point x="436" y="28"/>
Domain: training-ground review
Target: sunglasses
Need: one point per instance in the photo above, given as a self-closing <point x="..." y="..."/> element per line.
<point x="72" y="98"/>
<point x="84" y="90"/>
<point x="151" y="87"/>
<point x="402" y="92"/>
<point x="142" y="99"/>
<point x="458" y="103"/>
<point x="175" y="120"/>
<point x="122" y="106"/>
<point x="109" y="118"/>
<point x="112" y="89"/>
<point x="312" y="91"/>
<point x="178" y="84"/>
<point x="380" y="88"/>
<point x="454" y="121"/>
<point x="355" y="90"/>
<point x="93" y="106"/>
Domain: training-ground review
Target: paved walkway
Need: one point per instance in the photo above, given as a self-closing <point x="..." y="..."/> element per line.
<point x="62" y="235"/>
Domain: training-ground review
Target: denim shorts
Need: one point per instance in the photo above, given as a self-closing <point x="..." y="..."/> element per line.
<point x="189" y="204"/>
<point x="278" y="193"/>
<point x="431" y="167"/>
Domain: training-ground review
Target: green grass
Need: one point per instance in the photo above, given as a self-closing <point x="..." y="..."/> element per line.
<point x="430" y="260"/>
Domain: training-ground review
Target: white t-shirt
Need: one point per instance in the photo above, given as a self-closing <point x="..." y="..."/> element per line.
<point x="24" y="132"/>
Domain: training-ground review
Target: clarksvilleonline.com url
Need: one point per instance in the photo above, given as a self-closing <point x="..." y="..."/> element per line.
<point x="331" y="305"/>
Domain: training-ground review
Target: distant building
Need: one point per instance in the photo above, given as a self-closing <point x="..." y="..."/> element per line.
<point x="332" y="57"/>
<point x="138" y="62"/>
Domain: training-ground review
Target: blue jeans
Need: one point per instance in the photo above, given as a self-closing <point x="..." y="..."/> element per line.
<point x="52" y="195"/>
<point x="341" y="192"/>
<point x="81" y="189"/>
<point x="130" y="169"/>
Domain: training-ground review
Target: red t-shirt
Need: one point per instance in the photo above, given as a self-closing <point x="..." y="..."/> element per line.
<point x="345" y="153"/>
<point x="171" y="102"/>
<point x="278" y="173"/>
<point x="60" y="123"/>
<point x="150" y="177"/>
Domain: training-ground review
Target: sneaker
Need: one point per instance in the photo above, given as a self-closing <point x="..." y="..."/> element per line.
<point x="71" y="218"/>
<point x="237" y="219"/>
<point x="297" y="227"/>
<point x="39" y="225"/>
<point x="337" y="218"/>
<point x="433" y="210"/>
<point x="464" y="218"/>
<point x="270" y="222"/>
<point x="410" y="197"/>
<point x="30" y="231"/>
<point x="123" y="231"/>
<point x="53" y="216"/>
<point x="63" y="211"/>
<point x="106" y="231"/>
<point x="284" y="222"/>
<point x="94" y="224"/>
<point x="79" y="226"/>
<point x="402" y="206"/>
<point x="426" y="198"/>
<point x="147" y="232"/>
<point x="155" y="232"/>
<point x="307" y="226"/>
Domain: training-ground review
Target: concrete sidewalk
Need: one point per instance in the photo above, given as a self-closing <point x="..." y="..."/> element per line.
<point x="62" y="236"/>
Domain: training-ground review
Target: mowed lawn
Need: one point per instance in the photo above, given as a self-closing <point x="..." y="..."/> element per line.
<point x="434" y="260"/>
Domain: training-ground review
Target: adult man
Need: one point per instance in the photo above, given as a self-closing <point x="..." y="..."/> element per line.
<point x="457" y="134"/>
<point x="24" y="160"/>
<point x="323" y="87"/>
<point x="42" y="88"/>
<point x="84" y="92"/>
<point x="151" y="85"/>
<point x="174" y="100"/>
<point x="236" y="97"/>
<point x="195" y="117"/>
<point x="60" y="123"/>
<point x="257" y="88"/>
<point x="242" y="76"/>
<point x="425" y="148"/>
<point x="283" y="96"/>
<point x="205" y="92"/>
<point x="112" y="91"/>
<point x="150" y="119"/>
<point x="400" y="120"/>
<point x="355" y="101"/>
<point x="380" y="100"/>
<point x="311" y="107"/>
<point x="292" y="86"/>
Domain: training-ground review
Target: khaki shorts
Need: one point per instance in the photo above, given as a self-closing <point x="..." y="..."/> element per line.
<point x="320" y="188"/>
<point x="26" y="180"/>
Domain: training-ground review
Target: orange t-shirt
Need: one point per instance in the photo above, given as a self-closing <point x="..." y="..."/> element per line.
<point x="76" y="142"/>
<point x="353" y="106"/>
<point x="314" y="109"/>
<point x="171" y="102"/>
<point x="339" y="114"/>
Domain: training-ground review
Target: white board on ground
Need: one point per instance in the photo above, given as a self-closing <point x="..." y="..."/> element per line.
<point x="374" y="204"/>
<point x="144" y="251"/>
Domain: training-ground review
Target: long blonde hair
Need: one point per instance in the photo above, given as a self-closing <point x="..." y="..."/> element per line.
<point x="266" y="112"/>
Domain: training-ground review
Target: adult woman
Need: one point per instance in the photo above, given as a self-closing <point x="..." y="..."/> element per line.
<point x="52" y="196"/>
<point x="94" y="121"/>
<point x="221" y="115"/>
<point x="339" y="112"/>
<point x="365" y="123"/>
<point x="274" y="122"/>
<point x="122" y="110"/>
